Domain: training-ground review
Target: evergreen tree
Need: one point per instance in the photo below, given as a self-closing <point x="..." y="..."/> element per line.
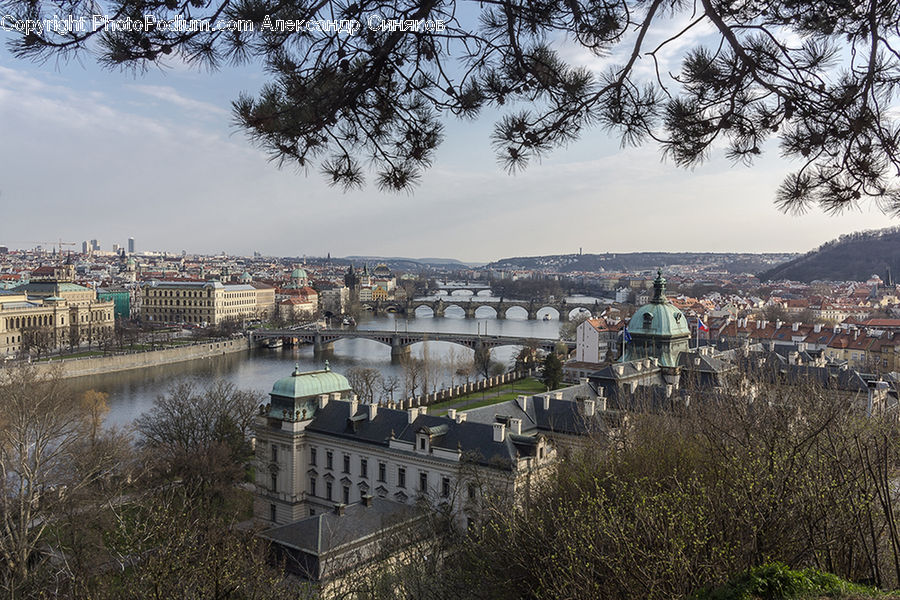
<point x="552" y="373"/>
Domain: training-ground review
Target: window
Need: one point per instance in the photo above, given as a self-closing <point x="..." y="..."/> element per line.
<point x="312" y="456"/>
<point x="272" y="512"/>
<point x="472" y="491"/>
<point x="422" y="443"/>
<point x="423" y="482"/>
<point x="363" y="468"/>
<point x="328" y="490"/>
<point x="382" y="471"/>
<point x="445" y="487"/>
<point x="346" y="463"/>
<point x="274" y="482"/>
<point x="274" y="452"/>
<point x="329" y="459"/>
<point x="312" y="486"/>
<point x="346" y="494"/>
<point x="401" y="477"/>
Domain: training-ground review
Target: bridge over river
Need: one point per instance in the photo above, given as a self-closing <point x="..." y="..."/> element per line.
<point x="400" y="341"/>
<point x="469" y="304"/>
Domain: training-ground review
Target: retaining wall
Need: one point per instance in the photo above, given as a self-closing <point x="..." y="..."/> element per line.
<point x="96" y="365"/>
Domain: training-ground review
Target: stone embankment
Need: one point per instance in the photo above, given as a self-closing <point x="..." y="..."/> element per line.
<point x="126" y="361"/>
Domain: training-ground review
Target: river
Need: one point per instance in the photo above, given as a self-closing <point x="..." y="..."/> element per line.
<point x="131" y="393"/>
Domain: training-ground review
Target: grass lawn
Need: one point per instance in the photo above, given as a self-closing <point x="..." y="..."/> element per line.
<point x="495" y="395"/>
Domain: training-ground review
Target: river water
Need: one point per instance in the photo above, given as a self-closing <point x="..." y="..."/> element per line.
<point x="132" y="392"/>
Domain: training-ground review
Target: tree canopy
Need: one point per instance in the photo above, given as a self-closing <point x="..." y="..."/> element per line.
<point x="817" y="75"/>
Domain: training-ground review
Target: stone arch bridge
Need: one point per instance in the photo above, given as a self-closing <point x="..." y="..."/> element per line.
<point x="470" y="304"/>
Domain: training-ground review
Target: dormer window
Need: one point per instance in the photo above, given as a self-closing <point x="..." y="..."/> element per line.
<point x="648" y="320"/>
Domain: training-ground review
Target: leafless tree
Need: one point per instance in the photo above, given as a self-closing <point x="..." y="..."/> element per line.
<point x="389" y="385"/>
<point x="364" y="381"/>
<point x="51" y="452"/>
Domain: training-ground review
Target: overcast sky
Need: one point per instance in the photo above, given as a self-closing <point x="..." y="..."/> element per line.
<point x="86" y="153"/>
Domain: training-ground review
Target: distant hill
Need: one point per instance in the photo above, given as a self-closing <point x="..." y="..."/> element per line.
<point x="410" y="264"/>
<point x="736" y="262"/>
<point x="851" y="257"/>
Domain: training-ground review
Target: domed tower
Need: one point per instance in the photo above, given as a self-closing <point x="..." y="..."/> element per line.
<point x="299" y="278"/>
<point x="658" y="329"/>
<point x="282" y="452"/>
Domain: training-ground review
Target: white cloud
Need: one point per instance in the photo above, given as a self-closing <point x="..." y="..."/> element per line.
<point x="170" y="95"/>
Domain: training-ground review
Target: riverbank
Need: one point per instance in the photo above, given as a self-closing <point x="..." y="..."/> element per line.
<point x="99" y="365"/>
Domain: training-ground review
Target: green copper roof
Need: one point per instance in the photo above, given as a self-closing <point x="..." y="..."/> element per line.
<point x="298" y="274"/>
<point x="310" y="384"/>
<point x="659" y="317"/>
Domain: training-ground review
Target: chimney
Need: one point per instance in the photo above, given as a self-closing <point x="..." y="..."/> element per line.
<point x="354" y="404"/>
<point x="423" y="410"/>
<point x="339" y="509"/>
<point x="411" y="414"/>
<point x="588" y="407"/>
<point x="367" y="500"/>
<point x="335" y="395"/>
<point x="583" y="380"/>
<point x="795" y="326"/>
<point x="522" y="401"/>
<point x="669" y="387"/>
<point x="601" y="404"/>
<point x="778" y="324"/>
<point x="546" y="398"/>
<point x="558" y="395"/>
<point x="817" y="328"/>
<point x="855" y="333"/>
<point x="461" y="417"/>
<point x="451" y="414"/>
<point x="499" y="432"/>
<point x="515" y="426"/>
<point x="372" y="410"/>
<point x="323" y="401"/>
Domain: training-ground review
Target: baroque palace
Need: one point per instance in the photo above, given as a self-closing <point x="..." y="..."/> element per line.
<point x="51" y="311"/>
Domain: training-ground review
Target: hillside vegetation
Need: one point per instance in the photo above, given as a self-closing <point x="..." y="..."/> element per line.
<point x="851" y="257"/>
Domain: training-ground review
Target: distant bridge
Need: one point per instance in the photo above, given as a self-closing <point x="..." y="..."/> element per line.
<point x="400" y="341"/>
<point x="469" y="304"/>
<point x="463" y="286"/>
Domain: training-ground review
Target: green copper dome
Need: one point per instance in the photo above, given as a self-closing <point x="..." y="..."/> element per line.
<point x="659" y="317"/>
<point x="298" y="274"/>
<point x="658" y="329"/>
<point x="310" y="384"/>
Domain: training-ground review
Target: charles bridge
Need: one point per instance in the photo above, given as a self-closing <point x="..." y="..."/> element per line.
<point x="469" y="304"/>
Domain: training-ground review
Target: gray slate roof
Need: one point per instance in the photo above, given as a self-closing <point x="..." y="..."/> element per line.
<point x="474" y="440"/>
<point x="328" y="531"/>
